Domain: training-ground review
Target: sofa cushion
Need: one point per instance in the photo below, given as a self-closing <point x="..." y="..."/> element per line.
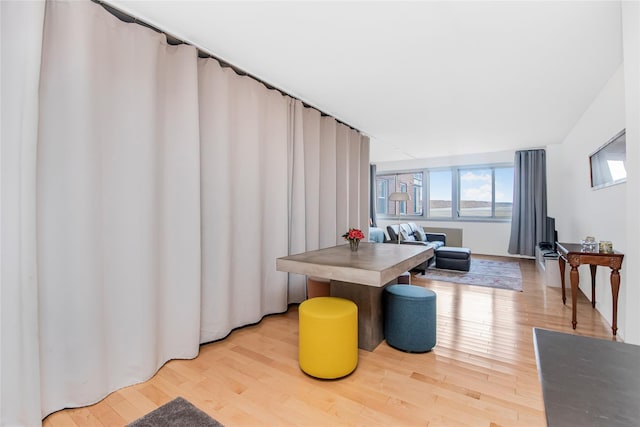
<point x="407" y="233"/>
<point x="405" y="237"/>
<point x="420" y="235"/>
<point x="414" y="234"/>
<point x="436" y="244"/>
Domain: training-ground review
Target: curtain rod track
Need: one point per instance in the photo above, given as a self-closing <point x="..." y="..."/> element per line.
<point x="202" y="53"/>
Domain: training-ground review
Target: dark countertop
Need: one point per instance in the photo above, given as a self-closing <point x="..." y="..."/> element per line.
<point x="588" y="381"/>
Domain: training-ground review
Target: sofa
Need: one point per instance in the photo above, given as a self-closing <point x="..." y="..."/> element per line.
<point x="411" y="234"/>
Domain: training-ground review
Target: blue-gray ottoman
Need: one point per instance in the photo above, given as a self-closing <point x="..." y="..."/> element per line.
<point x="410" y="317"/>
<point x="453" y="258"/>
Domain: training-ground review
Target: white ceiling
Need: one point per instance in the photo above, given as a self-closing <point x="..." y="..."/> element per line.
<point x="422" y="79"/>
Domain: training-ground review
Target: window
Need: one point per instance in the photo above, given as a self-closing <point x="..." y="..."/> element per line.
<point x="440" y="205"/>
<point x="476" y="195"/>
<point x="452" y="194"/>
<point x="608" y="163"/>
<point x="410" y="182"/>
<point x="382" y="192"/>
<point x="417" y="193"/>
<point x="503" y="179"/>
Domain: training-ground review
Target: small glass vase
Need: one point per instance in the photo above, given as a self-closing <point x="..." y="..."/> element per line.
<point x="353" y="244"/>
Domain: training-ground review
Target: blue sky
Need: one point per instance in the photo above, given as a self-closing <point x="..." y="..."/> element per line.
<point x="475" y="185"/>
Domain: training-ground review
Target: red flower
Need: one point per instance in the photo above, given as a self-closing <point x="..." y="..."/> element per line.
<point x="354" y="234"/>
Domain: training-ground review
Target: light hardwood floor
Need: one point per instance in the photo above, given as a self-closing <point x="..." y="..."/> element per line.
<point x="482" y="371"/>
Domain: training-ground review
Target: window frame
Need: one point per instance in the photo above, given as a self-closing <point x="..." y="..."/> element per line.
<point x="455" y="193"/>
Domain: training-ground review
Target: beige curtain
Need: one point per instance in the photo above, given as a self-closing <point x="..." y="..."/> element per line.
<point x="329" y="179"/>
<point x="243" y="159"/>
<point x="329" y="185"/>
<point x="155" y="190"/>
<point x="118" y="205"/>
<point x="21" y="24"/>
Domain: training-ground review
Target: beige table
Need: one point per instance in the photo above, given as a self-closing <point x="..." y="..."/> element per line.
<point x="359" y="276"/>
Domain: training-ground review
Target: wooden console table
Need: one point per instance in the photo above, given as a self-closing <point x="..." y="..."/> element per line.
<point x="573" y="254"/>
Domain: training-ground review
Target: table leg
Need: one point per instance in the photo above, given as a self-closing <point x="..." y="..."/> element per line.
<point x="369" y="302"/>
<point x="615" y="287"/>
<point x="575" y="280"/>
<point x="593" y="284"/>
<point x="561" y="264"/>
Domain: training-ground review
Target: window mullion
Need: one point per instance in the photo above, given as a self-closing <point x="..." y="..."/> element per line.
<point x="493" y="192"/>
<point x="426" y="194"/>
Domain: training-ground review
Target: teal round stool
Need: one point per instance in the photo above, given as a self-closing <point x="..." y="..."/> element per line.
<point x="410" y="318"/>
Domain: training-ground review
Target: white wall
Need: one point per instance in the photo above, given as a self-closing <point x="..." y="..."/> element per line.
<point x="487" y="238"/>
<point x="631" y="52"/>
<point x="608" y="214"/>
<point x="581" y="211"/>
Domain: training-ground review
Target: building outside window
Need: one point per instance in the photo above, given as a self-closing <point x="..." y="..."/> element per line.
<point x="382" y="194"/>
<point x="405" y="182"/>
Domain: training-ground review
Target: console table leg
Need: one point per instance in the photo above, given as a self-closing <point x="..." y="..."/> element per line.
<point x="615" y="287"/>
<point x="593" y="284"/>
<point x="561" y="264"/>
<point x="575" y="279"/>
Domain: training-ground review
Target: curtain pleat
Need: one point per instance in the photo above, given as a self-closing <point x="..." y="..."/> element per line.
<point x="353" y="169"/>
<point x="118" y="205"/>
<point x="22" y="28"/>
<point x="363" y="191"/>
<point x="328" y="180"/>
<point x="342" y="179"/>
<point x="529" y="216"/>
<point x="162" y="188"/>
<point x="244" y="199"/>
<point x="297" y="204"/>
<point x="311" y="128"/>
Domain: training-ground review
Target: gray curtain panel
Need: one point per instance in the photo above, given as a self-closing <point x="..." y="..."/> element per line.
<point x="372" y="195"/>
<point x="528" y="221"/>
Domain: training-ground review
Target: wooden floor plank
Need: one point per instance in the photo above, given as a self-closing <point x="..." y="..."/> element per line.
<point x="482" y="371"/>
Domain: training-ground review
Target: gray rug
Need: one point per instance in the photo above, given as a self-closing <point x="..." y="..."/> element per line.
<point x="177" y="413"/>
<point x="493" y="274"/>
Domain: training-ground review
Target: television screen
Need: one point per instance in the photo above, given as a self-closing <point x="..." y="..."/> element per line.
<point x="551" y="232"/>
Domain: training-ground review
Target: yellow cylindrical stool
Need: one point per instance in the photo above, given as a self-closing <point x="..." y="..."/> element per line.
<point x="317" y="287"/>
<point x="328" y="337"/>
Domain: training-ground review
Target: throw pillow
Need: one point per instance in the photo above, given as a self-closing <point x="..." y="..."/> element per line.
<point x="421" y="235"/>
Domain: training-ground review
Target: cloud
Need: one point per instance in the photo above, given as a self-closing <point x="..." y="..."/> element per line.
<point x="481" y="193"/>
<point x="474" y="176"/>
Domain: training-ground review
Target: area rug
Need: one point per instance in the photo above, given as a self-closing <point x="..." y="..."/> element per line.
<point x="493" y="274"/>
<point x="177" y="413"/>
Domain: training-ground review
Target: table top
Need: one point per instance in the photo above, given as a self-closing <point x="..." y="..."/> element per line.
<point x="588" y="381"/>
<point x="374" y="264"/>
<point x="576" y="248"/>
